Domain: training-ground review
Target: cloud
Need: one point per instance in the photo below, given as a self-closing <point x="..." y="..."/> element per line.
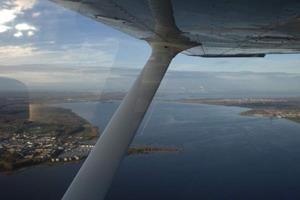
<point x="94" y="54"/>
<point x="10" y="10"/>
<point x="4" y="28"/>
<point x="12" y="52"/>
<point x="54" y="63"/>
<point x="28" y="29"/>
<point x="18" y="34"/>
<point x="7" y="16"/>
<point x="30" y="33"/>
<point x="24" y="27"/>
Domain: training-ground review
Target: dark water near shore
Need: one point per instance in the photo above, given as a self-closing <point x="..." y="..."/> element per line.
<point x="226" y="156"/>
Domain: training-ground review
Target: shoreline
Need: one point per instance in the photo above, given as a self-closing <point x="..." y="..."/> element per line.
<point x="132" y="151"/>
<point x="281" y="108"/>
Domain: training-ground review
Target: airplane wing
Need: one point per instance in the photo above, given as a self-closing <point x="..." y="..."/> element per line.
<point x="222" y="28"/>
<point x="207" y="28"/>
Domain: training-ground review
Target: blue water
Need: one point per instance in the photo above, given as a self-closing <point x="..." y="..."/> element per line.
<point x="225" y="156"/>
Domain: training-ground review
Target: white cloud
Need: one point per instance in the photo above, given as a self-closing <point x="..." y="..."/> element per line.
<point x="6" y="16"/>
<point x="30" y="33"/>
<point x="4" y="28"/>
<point x="18" y="34"/>
<point x="10" y="9"/>
<point x="24" y="27"/>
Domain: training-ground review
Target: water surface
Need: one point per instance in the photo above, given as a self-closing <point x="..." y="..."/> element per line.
<point x="226" y="156"/>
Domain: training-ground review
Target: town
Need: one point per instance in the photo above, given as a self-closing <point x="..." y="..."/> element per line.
<point x="20" y="150"/>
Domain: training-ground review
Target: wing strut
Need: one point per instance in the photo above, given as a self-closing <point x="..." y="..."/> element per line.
<point x="96" y="174"/>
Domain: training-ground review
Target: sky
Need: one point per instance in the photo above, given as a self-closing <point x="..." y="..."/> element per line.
<point x="41" y="42"/>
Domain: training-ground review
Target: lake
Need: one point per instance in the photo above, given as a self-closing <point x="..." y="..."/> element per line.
<point x="225" y="156"/>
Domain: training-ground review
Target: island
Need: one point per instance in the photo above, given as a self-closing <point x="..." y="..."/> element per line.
<point x="146" y="149"/>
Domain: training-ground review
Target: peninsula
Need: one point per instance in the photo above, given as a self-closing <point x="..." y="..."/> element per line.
<point x="51" y="135"/>
<point x="287" y="108"/>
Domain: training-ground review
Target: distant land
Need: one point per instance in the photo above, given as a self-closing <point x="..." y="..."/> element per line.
<point x="53" y="97"/>
<point x="287" y="108"/>
<point x="182" y="84"/>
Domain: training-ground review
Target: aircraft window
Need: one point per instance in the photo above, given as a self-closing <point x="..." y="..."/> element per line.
<point x="218" y="127"/>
